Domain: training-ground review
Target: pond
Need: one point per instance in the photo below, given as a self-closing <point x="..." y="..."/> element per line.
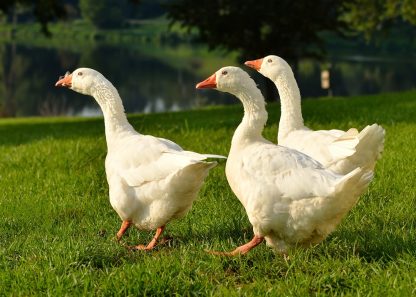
<point x="157" y="82"/>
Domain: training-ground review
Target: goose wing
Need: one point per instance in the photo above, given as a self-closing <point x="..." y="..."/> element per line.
<point x="147" y="159"/>
<point x="287" y="172"/>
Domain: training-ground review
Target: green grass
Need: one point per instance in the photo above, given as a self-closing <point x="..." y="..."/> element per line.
<point x="57" y="226"/>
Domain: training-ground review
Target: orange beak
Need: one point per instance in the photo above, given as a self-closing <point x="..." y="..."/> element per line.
<point x="255" y="64"/>
<point x="209" y="83"/>
<point x="64" y="81"/>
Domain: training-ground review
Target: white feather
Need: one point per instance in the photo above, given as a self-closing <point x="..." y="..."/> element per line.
<point x="337" y="150"/>
<point x="151" y="180"/>
<point x="289" y="197"/>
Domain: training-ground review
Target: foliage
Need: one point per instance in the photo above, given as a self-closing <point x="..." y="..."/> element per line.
<point x="369" y="16"/>
<point x="44" y="10"/>
<point x="57" y="226"/>
<point x="257" y="28"/>
<point x="147" y="9"/>
<point x="104" y="13"/>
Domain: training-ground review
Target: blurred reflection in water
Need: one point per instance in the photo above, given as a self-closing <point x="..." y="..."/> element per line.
<point x="355" y="75"/>
<point x="148" y="84"/>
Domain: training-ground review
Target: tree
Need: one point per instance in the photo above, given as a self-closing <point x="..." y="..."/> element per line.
<point x="369" y="16"/>
<point x="44" y="10"/>
<point x="104" y="13"/>
<point x="148" y="9"/>
<point x="259" y="27"/>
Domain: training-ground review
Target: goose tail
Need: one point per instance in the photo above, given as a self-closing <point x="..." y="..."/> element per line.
<point x="370" y="146"/>
<point x="349" y="188"/>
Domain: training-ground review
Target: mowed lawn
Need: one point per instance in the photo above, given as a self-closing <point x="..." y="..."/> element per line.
<point x="57" y="228"/>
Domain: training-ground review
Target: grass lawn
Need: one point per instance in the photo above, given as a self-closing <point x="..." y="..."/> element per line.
<point x="57" y="227"/>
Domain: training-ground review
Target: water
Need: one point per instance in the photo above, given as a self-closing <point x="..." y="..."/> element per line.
<point x="152" y="83"/>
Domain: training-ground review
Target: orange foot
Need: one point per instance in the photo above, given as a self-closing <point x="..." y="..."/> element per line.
<point x="151" y="244"/>
<point x="124" y="226"/>
<point x="241" y="250"/>
<point x="140" y="247"/>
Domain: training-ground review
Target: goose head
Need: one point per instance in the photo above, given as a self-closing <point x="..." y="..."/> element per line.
<point x="270" y="66"/>
<point x="82" y="80"/>
<point x="228" y="79"/>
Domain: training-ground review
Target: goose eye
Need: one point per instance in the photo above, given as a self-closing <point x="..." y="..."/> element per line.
<point x="79" y="73"/>
<point x="225" y="72"/>
<point x="269" y="60"/>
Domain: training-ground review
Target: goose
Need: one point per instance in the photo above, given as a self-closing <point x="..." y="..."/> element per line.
<point x="340" y="151"/>
<point x="290" y="198"/>
<point x="151" y="180"/>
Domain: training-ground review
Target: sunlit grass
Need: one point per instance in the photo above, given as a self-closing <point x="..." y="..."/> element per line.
<point x="57" y="226"/>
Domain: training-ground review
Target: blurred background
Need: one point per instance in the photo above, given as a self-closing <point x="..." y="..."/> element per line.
<point x="155" y="51"/>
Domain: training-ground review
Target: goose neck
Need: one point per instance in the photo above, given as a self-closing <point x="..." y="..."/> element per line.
<point x="255" y="115"/>
<point x="291" y="112"/>
<point x="115" y="120"/>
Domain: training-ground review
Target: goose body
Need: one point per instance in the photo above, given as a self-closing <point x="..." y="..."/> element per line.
<point x="289" y="197"/>
<point x="151" y="180"/>
<point x="340" y="151"/>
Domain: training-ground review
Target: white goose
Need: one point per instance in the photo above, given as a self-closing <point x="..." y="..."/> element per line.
<point x="151" y="180"/>
<point x="290" y="199"/>
<point x="337" y="150"/>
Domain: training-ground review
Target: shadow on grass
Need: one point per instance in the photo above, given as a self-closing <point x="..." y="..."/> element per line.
<point x="385" y="247"/>
<point x="373" y="245"/>
<point x="378" y="245"/>
<point x="370" y="246"/>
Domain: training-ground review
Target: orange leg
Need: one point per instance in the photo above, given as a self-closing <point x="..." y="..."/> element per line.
<point x="241" y="250"/>
<point x="124" y="226"/>
<point x="152" y="243"/>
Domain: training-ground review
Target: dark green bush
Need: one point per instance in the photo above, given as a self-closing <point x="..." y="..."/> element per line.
<point x="103" y="13"/>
